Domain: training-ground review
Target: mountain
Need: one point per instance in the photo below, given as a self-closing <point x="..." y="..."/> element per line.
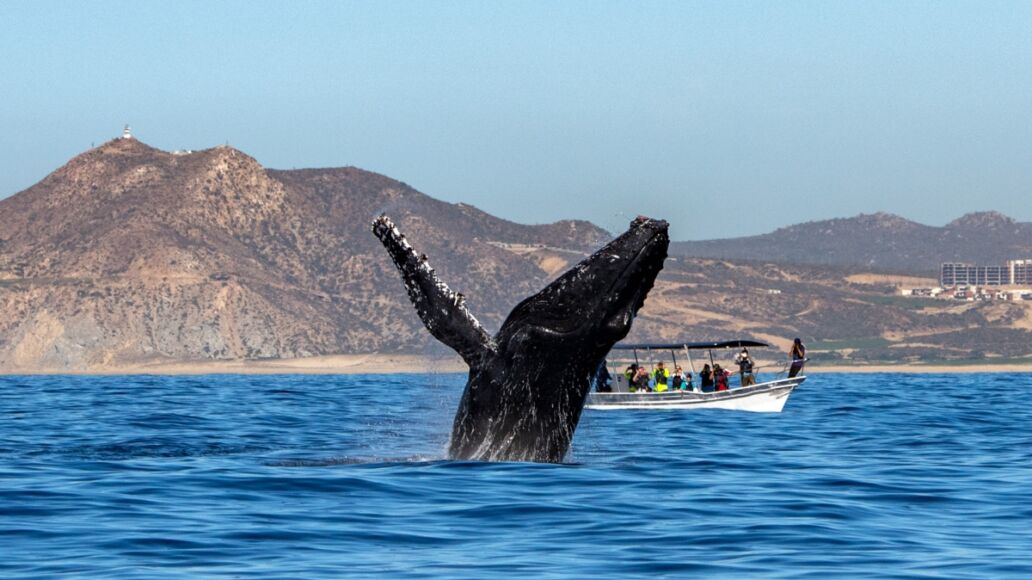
<point x="879" y="242"/>
<point x="130" y="254"/>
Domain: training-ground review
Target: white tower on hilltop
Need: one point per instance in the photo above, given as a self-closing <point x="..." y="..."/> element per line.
<point x="126" y="133"/>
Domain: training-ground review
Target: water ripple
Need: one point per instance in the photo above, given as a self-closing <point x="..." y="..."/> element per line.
<point x="323" y="477"/>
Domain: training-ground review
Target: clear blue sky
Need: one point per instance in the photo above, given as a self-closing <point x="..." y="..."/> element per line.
<point x="727" y="118"/>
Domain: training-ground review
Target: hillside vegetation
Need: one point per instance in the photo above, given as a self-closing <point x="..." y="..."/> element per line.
<point x="128" y="255"/>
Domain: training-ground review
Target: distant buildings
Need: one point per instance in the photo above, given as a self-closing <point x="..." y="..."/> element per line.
<point x="1020" y="271"/>
<point x="972" y="282"/>
<point x="1015" y="272"/>
<point x="970" y="293"/>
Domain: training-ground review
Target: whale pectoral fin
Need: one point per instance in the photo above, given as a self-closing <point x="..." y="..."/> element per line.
<point x="442" y="310"/>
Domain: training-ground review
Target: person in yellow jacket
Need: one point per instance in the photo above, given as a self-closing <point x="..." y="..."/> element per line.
<point x="661" y="376"/>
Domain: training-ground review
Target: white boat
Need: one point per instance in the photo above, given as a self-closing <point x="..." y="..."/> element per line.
<point x="768" y="396"/>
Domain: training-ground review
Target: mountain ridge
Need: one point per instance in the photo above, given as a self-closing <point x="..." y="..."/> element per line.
<point x="880" y="242"/>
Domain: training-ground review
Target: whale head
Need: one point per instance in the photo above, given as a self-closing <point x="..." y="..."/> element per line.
<point x="594" y="303"/>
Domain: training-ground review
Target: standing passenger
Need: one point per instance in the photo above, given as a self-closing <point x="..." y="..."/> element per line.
<point x="798" y="358"/>
<point x="720" y="377"/>
<point x="603" y="380"/>
<point x="661" y="376"/>
<point x="641" y="380"/>
<point x="680" y="380"/>
<point x="745" y="368"/>
<point x="706" y="379"/>
<point x="631" y="374"/>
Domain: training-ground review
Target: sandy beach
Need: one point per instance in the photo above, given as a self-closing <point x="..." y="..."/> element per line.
<point x="345" y="364"/>
<point x="923" y="369"/>
<point x="380" y="363"/>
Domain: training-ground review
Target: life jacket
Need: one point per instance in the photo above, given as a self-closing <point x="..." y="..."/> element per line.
<point x="721" y="381"/>
<point x="662" y="378"/>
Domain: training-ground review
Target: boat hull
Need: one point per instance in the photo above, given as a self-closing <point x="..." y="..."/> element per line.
<point x="768" y="397"/>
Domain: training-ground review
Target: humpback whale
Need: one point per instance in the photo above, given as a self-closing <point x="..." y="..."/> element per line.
<point x="528" y="383"/>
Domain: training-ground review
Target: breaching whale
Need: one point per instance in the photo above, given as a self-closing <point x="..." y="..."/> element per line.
<point x="527" y="384"/>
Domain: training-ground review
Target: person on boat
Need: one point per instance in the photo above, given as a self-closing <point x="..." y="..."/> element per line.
<point x="631" y="373"/>
<point x="661" y="377"/>
<point x="681" y="380"/>
<point x="641" y="380"/>
<point x="603" y="380"/>
<point x="798" y="354"/>
<point x="720" y="377"/>
<point x="745" y="368"/>
<point x="706" y="379"/>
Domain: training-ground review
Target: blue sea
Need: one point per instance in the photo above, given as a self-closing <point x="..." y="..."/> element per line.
<point x="344" y="476"/>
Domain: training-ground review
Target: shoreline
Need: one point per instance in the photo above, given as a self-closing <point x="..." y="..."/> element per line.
<point x="344" y="364"/>
<point x="384" y="363"/>
<point x="909" y="368"/>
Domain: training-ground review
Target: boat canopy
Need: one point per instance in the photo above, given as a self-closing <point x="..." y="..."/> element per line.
<point x="689" y="345"/>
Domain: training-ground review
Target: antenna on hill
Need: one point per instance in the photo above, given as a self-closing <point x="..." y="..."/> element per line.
<point x="127" y="133"/>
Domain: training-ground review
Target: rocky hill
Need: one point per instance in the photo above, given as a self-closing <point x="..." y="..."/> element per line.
<point x="879" y="242"/>
<point x="130" y="254"/>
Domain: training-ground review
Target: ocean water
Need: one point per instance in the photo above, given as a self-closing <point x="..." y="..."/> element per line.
<point x="344" y="476"/>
